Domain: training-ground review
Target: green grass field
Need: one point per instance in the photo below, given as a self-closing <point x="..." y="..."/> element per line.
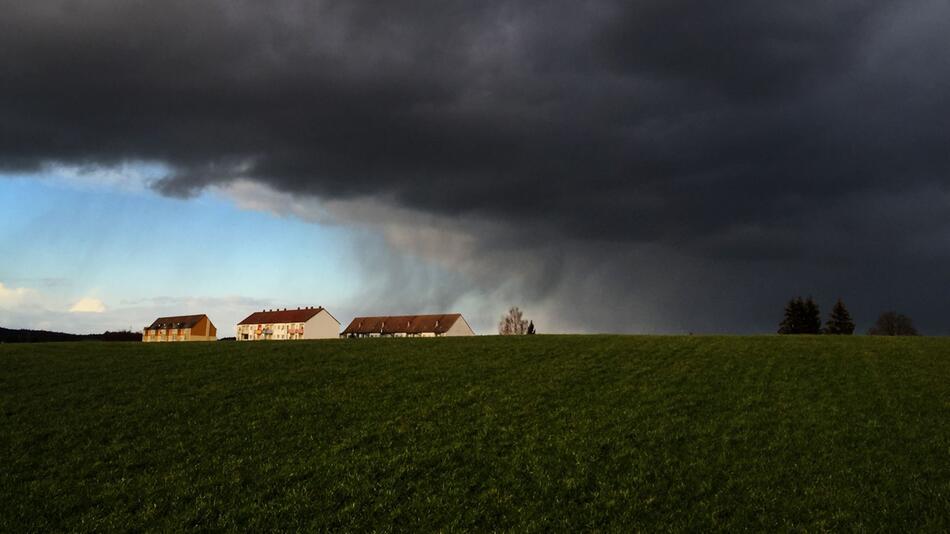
<point x="533" y="433"/>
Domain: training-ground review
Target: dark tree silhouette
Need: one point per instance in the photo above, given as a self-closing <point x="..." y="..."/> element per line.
<point x="531" y="331"/>
<point x="791" y="323"/>
<point x="811" y="318"/>
<point x="42" y="336"/>
<point x="892" y="323"/>
<point x="839" y="322"/>
<point x="801" y="317"/>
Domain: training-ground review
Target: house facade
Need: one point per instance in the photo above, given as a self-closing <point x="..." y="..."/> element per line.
<point x="438" y="325"/>
<point x="284" y="324"/>
<point x="180" y="328"/>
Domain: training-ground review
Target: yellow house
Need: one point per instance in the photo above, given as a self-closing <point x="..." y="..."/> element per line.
<point x="181" y="328"/>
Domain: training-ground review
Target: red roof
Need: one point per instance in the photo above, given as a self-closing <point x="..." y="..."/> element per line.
<point x="403" y="324"/>
<point x="300" y="315"/>
<point x="178" y="321"/>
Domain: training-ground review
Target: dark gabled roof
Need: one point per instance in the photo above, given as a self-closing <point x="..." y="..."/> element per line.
<point x="403" y="324"/>
<point x="300" y="315"/>
<point x="178" y="321"/>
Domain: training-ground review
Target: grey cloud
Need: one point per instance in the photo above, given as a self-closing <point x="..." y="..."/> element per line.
<point x="627" y="148"/>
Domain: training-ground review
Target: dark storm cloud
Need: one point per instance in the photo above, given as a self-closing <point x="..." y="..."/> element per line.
<point x="743" y="49"/>
<point x="754" y="143"/>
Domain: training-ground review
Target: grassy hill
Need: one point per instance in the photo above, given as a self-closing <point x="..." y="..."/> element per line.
<point x="535" y="433"/>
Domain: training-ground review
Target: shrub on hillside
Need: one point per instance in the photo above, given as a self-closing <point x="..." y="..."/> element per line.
<point x="892" y="323"/>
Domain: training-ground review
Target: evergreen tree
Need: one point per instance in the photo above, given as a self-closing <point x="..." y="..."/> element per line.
<point x="801" y="317"/>
<point x="531" y="328"/>
<point x="839" y="322"/>
<point x="811" y="318"/>
<point x="792" y="323"/>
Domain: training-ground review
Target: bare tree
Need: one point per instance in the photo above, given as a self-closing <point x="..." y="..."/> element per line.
<point x="513" y="324"/>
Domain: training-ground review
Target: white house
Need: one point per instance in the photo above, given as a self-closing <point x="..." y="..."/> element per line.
<point x="450" y="324"/>
<point x="302" y="323"/>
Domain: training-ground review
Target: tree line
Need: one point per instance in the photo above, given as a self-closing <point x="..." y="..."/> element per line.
<point x="22" y="335"/>
<point x="802" y="316"/>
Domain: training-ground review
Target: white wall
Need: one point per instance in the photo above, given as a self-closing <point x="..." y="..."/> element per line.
<point x="460" y="328"/>
<point x="321" y="326"/>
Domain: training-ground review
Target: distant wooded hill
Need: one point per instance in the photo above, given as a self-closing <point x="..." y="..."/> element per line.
<point x="8" y="335"/>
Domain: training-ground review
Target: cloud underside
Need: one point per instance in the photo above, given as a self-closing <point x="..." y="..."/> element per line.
<point x="11" y="297"/>
<point x="647" y="165"/>
<point x="40" y="311"/>
<point x="88" y="305"/>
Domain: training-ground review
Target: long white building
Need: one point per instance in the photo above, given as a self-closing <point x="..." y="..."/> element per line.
<point x="448" y="324"/>
<point x="302" y="323"/>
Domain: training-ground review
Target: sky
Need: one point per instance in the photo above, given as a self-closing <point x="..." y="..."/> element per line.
<point x="608" y="166"/>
